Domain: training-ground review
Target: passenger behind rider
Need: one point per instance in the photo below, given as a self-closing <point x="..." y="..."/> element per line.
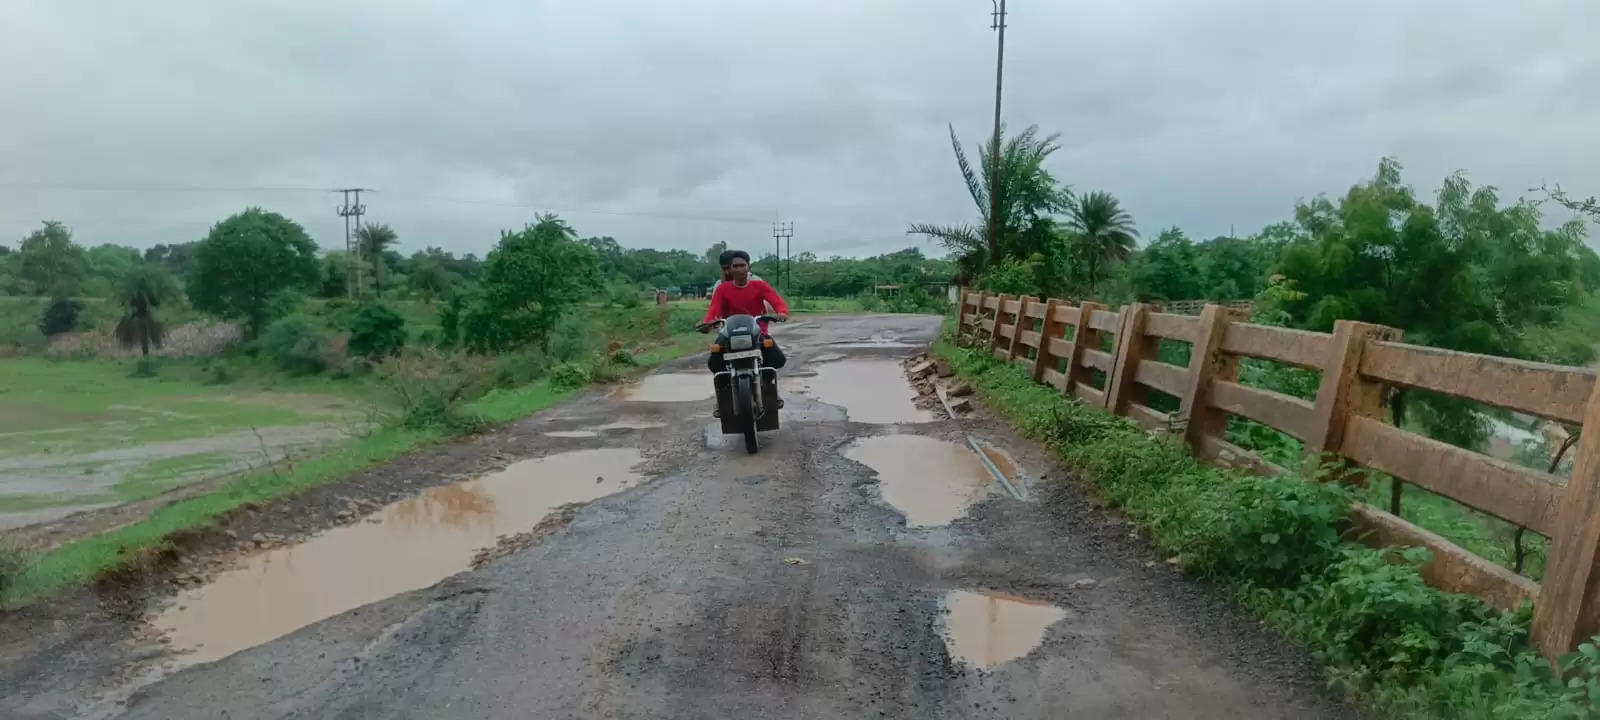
<point x="727" y="272"/>
<point x="743" y="294"/>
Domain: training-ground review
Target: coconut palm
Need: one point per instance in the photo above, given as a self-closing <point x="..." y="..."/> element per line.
<point x="143" y="290"/>
<point x="1027" y="195"/>
<point x="1102" y="232"/>
<point x="374" y="240"/>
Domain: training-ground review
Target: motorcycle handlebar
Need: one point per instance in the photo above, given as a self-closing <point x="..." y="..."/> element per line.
<point x="702" y="327"/>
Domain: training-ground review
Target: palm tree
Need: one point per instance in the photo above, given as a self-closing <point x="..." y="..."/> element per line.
<point x="374" y="240"/>
<point x="1027" y="196"/>
<point x="1102" y="232"/>
<point x="143" y="290"/>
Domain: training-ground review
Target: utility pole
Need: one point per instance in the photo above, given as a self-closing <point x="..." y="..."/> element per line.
<point x="999" y="26"/>
<point x="352" y="208"/>
<point x="781" y="232"/>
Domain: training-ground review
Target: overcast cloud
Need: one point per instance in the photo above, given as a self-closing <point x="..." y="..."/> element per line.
<point x="832" y="113"/>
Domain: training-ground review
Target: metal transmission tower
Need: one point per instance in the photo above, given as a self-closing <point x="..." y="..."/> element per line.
<point x="352" y="208"/>
<point x="781" y="232"/>
<point x="999" y="26"/>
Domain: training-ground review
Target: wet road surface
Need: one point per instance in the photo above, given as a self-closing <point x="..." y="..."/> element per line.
<point x="862" y="565"/>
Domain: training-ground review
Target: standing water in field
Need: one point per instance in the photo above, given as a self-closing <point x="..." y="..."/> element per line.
<point x="406" y="546"/>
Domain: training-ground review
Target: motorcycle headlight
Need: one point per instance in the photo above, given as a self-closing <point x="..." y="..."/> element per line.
<point x="741" y="342"/>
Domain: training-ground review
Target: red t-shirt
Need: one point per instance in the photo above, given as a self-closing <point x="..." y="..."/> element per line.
<point x="730" y="299"/>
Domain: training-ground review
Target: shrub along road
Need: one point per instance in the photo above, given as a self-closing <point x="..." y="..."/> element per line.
<point x="783" y="584"/>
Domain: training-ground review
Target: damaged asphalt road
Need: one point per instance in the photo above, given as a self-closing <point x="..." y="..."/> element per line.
<point x="783" y="585"/>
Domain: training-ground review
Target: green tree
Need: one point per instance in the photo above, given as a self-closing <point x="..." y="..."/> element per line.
<point x="1168" y="269"/>
<point x="245" y="260"/>
<point x="375" y="240"/>
<point x="529" y="280"/>
<point x="108" y="265"/>
<point x="1102" y="233"/>
<point x="143" y="288"/>
<point x="50" y="263"/>
<point x="1025" y="193"/>
<point x="429" y="279"/>
<point x="1233" y="268"/>
<point x="333" y="275"/>
<point x="1471" y="275"/>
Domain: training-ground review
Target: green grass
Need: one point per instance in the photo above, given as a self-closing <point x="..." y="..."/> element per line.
<point x="77" y="562"/>
<point x="1386" y="638"/>
<point x="1479" y="533"/>
<point x="75" y="406"/>
<point x="167" y="473"/>
<point x="826" y="305"/>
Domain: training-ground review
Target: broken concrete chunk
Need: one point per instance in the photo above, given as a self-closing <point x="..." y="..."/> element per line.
<point x="960" y="389"/>
<point x="961" y="405"/>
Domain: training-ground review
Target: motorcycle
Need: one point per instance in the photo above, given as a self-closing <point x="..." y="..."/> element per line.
<point x="747" y="391"/>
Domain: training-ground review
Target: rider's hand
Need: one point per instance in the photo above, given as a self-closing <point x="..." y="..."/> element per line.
<point x="782" y="317"/>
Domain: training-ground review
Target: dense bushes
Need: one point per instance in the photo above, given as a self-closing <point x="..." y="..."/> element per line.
<point x="1411" y="650"/>
<point x="376" y="331"/>
<point x="295" y="344"/>
<point x="60" y="317"/>
<point x="430" y="387"/>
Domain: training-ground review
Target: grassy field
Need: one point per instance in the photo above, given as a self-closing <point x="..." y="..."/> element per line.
<point x="84" y="433"/>
<point x="79" y="561"/>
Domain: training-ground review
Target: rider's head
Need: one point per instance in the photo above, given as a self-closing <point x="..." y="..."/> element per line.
<point x="735" y="265"/>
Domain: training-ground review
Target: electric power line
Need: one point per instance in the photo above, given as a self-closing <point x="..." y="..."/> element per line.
<point x="402" y="195"/>
<point x="781" y="232"/>
<point x="348" y="210"/>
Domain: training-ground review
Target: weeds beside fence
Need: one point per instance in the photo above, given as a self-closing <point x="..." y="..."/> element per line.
<point x="1112" y="360"/>
<point x="1275" y="543"/>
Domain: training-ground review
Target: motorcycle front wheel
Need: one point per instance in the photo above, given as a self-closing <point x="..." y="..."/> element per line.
<point x="744" y="404"/>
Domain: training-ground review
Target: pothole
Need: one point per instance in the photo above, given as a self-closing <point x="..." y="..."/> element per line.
<point x="985" y="629"/>
<point x="931" y="481"/>
<point x="870" y="391"/>
<point x="668" y="388"/>
<point x="406" y="546"/>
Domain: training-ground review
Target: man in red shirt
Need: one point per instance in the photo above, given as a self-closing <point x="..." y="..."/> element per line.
<point x="742" y="295"/>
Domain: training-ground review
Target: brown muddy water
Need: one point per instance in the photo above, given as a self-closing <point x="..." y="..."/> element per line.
<point x="870" y="391"/>
<point x="929" y="480"/>
<point x="669" y="387"/>
<point x="985" y="629"/>
<point x="406" y="546"/>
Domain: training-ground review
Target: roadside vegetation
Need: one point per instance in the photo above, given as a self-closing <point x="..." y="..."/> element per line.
<point x="1274" y="544"/>
<point x="253" y="330"/>
<point x="1467" y="271"/>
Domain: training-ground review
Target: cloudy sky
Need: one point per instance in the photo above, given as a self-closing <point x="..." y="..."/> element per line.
<point x="678" y="123"/>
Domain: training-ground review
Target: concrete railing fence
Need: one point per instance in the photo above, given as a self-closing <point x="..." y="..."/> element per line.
<point x="1061" y="344"/>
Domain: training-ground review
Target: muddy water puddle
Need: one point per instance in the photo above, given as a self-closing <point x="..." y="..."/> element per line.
<point x="406" y="546"/>
<point x="870" y="391"/>
<point x="931" y="481"/>
<point x="572" y="433"/>
<point x="669" y="387"/>
<point x="985" y="629"/>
